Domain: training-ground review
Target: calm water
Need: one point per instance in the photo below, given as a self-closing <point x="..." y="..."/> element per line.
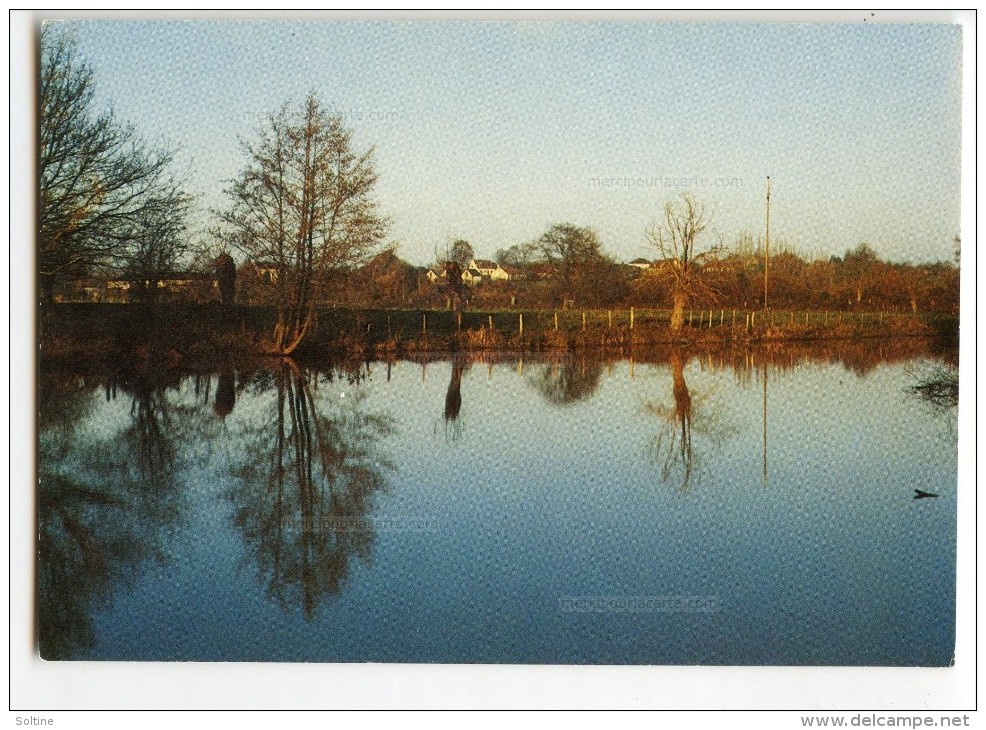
<point x="740" y="507"/>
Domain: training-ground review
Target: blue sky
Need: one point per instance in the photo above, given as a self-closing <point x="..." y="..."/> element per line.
<point x="494" y="131"/>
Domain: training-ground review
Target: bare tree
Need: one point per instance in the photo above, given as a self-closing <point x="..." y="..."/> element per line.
<point x="158" y="243"/>
<point x="676" y="238"/>
<point x="304" y="206"/>
<point x="99" y="185"/>
<point x="571" y="250"/>
<point x="519" y="255"/>
<point x="462" y="253"/>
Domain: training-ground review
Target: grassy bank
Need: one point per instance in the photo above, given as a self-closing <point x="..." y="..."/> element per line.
<point x="181" y="334"/>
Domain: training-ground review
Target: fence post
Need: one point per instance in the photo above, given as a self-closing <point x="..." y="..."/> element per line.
<point x="583" y="320"/>
<point x="556" y="320"/>
<point x="424" y="323"/>
<point x="458" y="322"/>
<point x="710" y="319"/>
<point x="611" y="319"/>
<point x="490" y="319"/>
<point x="748" y="322"/>
<point x="734" y="318"/>
<point x="520" y="325"/>
<point x="631" y="317"/>
<point x="722" y="316"/>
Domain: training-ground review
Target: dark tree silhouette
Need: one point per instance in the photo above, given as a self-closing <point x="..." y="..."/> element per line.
<point x="104" y="196"/>
<point x="226" y="278"/>
<point x="453" y="400"/>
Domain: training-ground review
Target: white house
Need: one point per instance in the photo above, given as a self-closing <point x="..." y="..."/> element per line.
<point x="472" y="276"/>
<point x="642" y="264"/>
<point x="489" y="269"/>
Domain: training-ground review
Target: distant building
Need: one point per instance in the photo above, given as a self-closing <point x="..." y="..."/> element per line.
<point x="472" y="276"/>
<point x="179" y="286"/>
<point x="488" y="269"/>
<point x="642" y="264"/>
<point x="435" y="276"/>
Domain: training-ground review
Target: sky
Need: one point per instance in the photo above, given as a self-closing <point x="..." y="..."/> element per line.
<point x="495" y="131"/>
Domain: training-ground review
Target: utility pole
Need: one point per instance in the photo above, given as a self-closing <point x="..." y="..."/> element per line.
<point x="766" y="250"/>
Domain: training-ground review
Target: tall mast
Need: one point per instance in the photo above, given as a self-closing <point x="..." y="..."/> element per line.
<point x="766" y="253"/>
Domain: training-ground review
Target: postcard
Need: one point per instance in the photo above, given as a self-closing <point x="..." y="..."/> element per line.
<point x="503" y="342"/>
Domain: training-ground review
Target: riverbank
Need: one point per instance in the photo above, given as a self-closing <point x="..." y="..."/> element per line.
<point x="185" y="335"/>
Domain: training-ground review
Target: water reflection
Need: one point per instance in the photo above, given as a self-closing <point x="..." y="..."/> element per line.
<point x="566" y="382"/>
<point x="686" y="414"/>
<point x="225" y="394"/>
<point x="107" y="500"/>
<point x="453" y="401"/>
<point x="305" y="488"/>
<point x="938" y="385"/>
<point x="286" y="469"/>
<point x="674" y="442"/>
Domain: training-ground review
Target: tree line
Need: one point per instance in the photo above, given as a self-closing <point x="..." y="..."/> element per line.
<point x="302" y="217"/>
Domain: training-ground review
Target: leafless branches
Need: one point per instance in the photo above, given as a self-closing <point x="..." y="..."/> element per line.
<point x="677" y="240"/>
<point x="303" y="205"/>
<point x="99" y="185"/>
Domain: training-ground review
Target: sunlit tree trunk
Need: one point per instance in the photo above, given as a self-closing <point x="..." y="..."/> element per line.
<point x="678" y="311"/>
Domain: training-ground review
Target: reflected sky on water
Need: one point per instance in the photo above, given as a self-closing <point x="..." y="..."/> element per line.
<point x="499" y="509"/>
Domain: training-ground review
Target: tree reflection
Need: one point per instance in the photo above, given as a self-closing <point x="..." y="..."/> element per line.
<point x="937" y="385"/>
<point x="106" y="499"/>
<point x="674" y="444"/>
<point x="305" y="491"/>
<point x="453" y="401"/>
<point x="568" y="382"/>
<point x="225" y="394"/>
<point x="149" y="434"/>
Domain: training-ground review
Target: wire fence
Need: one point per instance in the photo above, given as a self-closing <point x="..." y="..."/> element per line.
<point x="443" y="323"/>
